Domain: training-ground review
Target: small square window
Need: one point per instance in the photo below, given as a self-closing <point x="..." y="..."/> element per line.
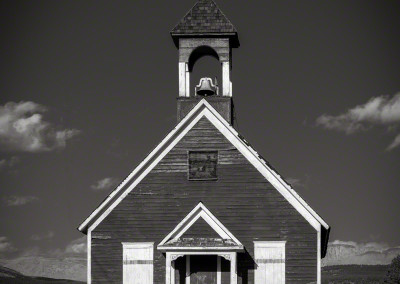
<point x="203" y="165"/>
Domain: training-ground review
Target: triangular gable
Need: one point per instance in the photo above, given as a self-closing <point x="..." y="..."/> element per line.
<point x="204" y="109"/>
<point x="200" y="229"/>
<point x="201" y="211"/>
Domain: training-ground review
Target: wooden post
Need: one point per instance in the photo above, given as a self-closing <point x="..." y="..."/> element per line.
<point x="187" y="80"/>
<point x="182" y="79"/>
<point x="187" y="280"/>
<point x="168" y="268"/>
<point x="172" y="271"/>
<point x="233" y="268"/>
<point x="218" y="269"/>
<point x="226" y="81"/>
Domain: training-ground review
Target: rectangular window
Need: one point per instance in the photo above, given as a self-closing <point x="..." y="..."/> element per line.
<point x="270" y="262"/>
<point x="137" y="263"/>
<point x="203" y="165"/>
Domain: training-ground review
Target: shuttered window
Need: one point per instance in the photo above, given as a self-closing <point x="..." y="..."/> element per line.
<point x="270" y="262"/>
<point x="137" y="263"/>
<point x="203" y="165"/>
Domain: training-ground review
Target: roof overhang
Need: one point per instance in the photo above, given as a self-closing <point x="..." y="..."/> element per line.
<point x="204" y="109"/>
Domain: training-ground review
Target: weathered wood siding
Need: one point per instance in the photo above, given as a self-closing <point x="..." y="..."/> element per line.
<point x="241" y="199"/>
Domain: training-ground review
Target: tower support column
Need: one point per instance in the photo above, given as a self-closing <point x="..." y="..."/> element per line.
<point x="226" y="79"/>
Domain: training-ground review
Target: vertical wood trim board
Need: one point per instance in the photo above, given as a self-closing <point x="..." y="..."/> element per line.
<point x="218" y="269"/>
<point x="89" y="257"/>
<point x="187" y="280"/>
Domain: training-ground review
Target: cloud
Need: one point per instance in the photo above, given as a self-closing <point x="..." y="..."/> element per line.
<point x="14" y="200"/>
<point x="104" y="184"/>
<point x="68" y="262"/>
<point x="378" y="111"/>
<point x="9" y="164"/>
<point x="395" y="143"/>
<point x="77" y="246"/>
<point x="369" y="253"/>
<point x="5" y="245"/>
<point x="45" y="236"/>
<point x="22" y="128"/>
<point x="295" y="182"/>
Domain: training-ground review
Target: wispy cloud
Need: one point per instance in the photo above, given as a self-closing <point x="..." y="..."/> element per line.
<point x="77" y="246"/>
<point x="395" y="143"/>
<point x="9" y="163"/>
<point x="104" y="184"/>
<point x="295" y="182"/>
<point x="15" y="200"/>
<point x="381" y="111"/>
<point x="44" y="236"/>
<point x="22" y="128"/>
<point x="6" y="245"/>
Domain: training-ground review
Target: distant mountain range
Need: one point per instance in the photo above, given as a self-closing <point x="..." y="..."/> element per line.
<point x="73" y="268"/>
<point x="10" y="276"/>
<point x="347" y="253"/>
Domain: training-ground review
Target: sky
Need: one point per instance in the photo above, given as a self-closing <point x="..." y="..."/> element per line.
<point x="88" y="89"/>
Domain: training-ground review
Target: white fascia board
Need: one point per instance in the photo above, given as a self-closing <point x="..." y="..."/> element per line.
<point x="203" y="108"/>
<point x="145" y="163"/>
<point x="243" y="146"/>
<point x="200" y="211"/>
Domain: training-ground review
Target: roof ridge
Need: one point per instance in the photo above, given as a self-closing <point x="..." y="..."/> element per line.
<point x="189" y="11"/>
<point x="226" y="18"/>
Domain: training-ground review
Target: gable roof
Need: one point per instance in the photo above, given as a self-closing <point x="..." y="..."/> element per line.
<point x="204" y="109"/>
<point x="201" y="211"/>
<point x="205" y="18"/>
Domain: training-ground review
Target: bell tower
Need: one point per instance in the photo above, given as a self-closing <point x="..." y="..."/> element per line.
<point x="205" y="31"/>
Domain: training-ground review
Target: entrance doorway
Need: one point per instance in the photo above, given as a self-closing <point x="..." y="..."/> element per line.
<point x="202" y="269"/>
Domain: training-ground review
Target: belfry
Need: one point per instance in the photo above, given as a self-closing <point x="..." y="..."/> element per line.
<point x="205" y="31"/>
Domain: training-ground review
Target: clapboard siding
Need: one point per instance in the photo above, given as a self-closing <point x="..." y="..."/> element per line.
<point x="241" y="199"/>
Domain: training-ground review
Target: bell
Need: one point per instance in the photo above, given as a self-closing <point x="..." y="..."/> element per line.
<point x="206" y="87"/>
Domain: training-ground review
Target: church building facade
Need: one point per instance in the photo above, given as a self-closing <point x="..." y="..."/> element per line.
<point x="204" y="206"/>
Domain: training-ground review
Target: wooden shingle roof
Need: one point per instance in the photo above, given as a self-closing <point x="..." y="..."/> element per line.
<point x="205" y="19"/>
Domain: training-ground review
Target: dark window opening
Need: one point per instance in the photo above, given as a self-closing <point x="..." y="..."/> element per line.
<point x="203" y="165"/>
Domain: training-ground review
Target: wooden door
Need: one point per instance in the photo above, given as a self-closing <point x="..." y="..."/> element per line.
<point x="203" y="269"/>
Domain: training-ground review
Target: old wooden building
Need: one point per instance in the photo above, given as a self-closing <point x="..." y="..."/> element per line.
<point x="204" y="206"/>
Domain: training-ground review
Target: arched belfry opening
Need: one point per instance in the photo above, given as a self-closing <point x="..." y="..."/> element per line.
<point x="191" y="49"/>
<point x="204" y="62"/>
<point x="198" y="53"/>
<point x="202" y="33"/>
